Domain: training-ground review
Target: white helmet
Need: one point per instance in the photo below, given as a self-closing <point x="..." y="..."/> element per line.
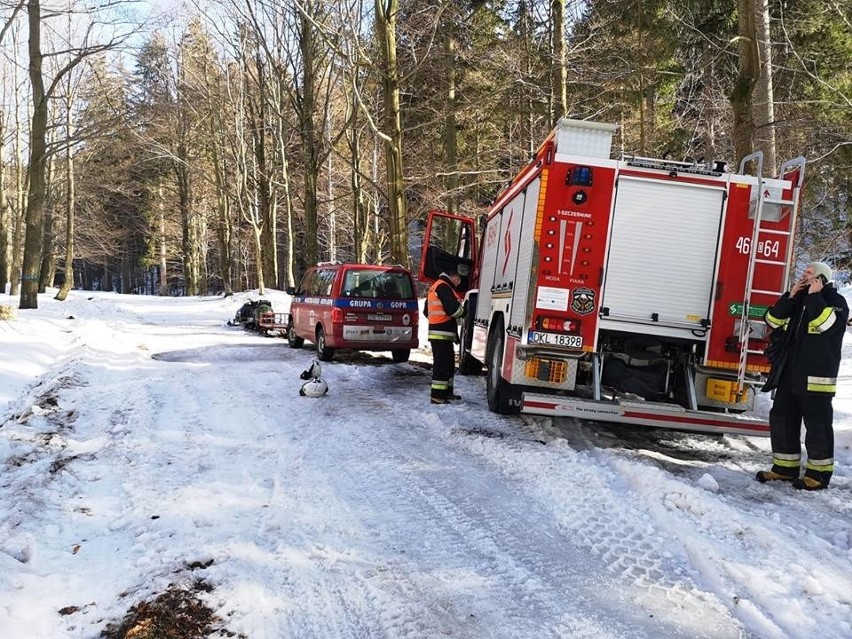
<point x="313" y="388"/>
<point x="312" y="372"/>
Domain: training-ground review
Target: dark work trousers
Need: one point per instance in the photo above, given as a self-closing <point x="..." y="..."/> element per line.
<point x="789" y="409"/>
<point x="443" y="367"/>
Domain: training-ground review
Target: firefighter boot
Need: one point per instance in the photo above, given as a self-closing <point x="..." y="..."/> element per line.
<point x="813" y="480"/>
<point x="764" y="476"/>
<point x="809" y="483"/>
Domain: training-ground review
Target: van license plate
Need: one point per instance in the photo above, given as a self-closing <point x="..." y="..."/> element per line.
<point x="554" y="339"/>
<point x="376" y="317"/>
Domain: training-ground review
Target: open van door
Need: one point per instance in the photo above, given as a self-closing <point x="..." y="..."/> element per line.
<point x="449" y="244"/>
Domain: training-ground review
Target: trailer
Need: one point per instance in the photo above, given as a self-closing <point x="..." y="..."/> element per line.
<point x="624" y="290"/>
<point x="258" y="315"/>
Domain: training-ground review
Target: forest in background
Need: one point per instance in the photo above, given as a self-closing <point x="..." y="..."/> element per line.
<point x="228" y="145"/>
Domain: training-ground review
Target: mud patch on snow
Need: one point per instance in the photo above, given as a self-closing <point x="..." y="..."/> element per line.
<point x="177" y="613"/>
<point x="479" y="431"/>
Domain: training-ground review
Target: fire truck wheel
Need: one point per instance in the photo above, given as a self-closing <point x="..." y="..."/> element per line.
<point x="503" y="397"/>
<point x="400" y="354"/>
<point x="468" y="364"/>
<point x="292" y="339"/>
<point x="324" y="353"/>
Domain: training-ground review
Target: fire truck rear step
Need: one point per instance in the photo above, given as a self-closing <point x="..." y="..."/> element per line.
<point x="653" y="414"/>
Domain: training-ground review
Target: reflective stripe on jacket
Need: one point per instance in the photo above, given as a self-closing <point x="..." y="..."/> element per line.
<point x="813" y="326"/>
<point x="444" y="306"/>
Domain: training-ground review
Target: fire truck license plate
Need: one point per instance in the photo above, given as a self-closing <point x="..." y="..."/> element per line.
<point x="553" y="339"/>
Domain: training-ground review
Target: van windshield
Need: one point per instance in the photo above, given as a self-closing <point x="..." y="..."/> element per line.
<point x="389" y="285"/>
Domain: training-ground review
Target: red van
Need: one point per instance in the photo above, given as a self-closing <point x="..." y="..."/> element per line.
<point x="358" y="306"/>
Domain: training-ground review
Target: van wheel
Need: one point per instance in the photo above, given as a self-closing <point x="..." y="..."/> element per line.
<point x="292" y="339"/>
<point x="400" y="355"/>
<point x="503" y="397"/>
<point x="324" y="353"/>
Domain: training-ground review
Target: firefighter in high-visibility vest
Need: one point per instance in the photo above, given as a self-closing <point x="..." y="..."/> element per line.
<point x="811" y="320"/>
<point x="443" y="307"/>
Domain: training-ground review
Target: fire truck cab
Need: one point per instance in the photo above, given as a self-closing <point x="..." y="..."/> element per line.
<point x="629" y="290"/>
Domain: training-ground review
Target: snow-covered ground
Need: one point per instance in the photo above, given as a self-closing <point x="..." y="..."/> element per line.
<point x="144" y="443"/>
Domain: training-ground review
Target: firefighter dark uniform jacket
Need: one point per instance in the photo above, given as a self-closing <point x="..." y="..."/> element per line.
<point x="443" y="307"/>
<point x="812" y="328"/>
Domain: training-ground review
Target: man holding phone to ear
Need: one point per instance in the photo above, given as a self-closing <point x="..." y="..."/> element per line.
<point x="812" y="318"/>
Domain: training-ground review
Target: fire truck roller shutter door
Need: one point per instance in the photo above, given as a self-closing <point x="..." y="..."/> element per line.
<point x="664" y="242"/>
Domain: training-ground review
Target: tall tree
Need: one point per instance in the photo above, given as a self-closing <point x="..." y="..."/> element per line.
<point x="397" y="217"/>
<point x="5" y="210"/>
<point x="742" y="95"/>
<point x="155" y="112"/>
<point x="450" y="136"/>
<point x="37" y="160"/>
<point x="36" y="195"/>
<point x="559" y="74"/>
<point x="764" y="96"/>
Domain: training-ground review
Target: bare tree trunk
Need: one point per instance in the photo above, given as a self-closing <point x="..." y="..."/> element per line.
<point x="247" y="202"/>
<point x="224" y="229"/>
<point x="189" y="242"/>
<point x="749" y="68"/>
<point x="309" y="141"/>
<point x="47" y="269"/>
<point x="283" y="165"/>
<point x="288" y="203"/>
<point x="5" y="212"/>
<point x="375" y="241"/>
<point x="70" y="195"/>
<point x="711" y="107"/>
<point x="450" y="125"/>
<point x="163" y="246"/>
<point x="264" y="187"/>
<point x="257" y="236"/>
<point x="332" y="216"/>
<point x="643" y="115"/>
<point x="18" y="214"/>
<point x="36" y="168"/>
<point x="764" y="107"/>
<point x="386" y="13"/>
<point x="359" y="208"/>
<point x="559" y="70"/>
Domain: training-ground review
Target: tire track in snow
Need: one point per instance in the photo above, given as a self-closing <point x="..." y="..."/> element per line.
<point x="468" y="520"/>
<point x="317" y="601"/>
<point x="587" y="498"/>
<point x="737" y="517"/>
<point x="169" y="424"/>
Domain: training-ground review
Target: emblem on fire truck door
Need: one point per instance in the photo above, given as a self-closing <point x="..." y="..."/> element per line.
<point x="507" y="241"/>
<point x="583" y="301"/>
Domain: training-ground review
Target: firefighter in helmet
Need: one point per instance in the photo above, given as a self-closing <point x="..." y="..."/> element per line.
<point x="443" y="307"/>
<point x="808" y="324"/>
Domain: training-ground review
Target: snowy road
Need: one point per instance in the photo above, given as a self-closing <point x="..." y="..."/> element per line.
<point x="162" y="446"/>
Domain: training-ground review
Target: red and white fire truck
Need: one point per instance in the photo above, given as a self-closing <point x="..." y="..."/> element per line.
<point x="628" y="290"/>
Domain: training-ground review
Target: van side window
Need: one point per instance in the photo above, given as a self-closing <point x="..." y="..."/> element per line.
<point x="325" y="282"/>
<point x="306" y="283"/>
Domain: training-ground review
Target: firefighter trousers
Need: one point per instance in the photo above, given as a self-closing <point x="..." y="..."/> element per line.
<point x="788" y="411"/>
<point x="443" y="367"/>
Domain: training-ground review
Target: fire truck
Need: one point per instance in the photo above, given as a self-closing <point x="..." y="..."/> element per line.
<point x="626" y="290"/>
